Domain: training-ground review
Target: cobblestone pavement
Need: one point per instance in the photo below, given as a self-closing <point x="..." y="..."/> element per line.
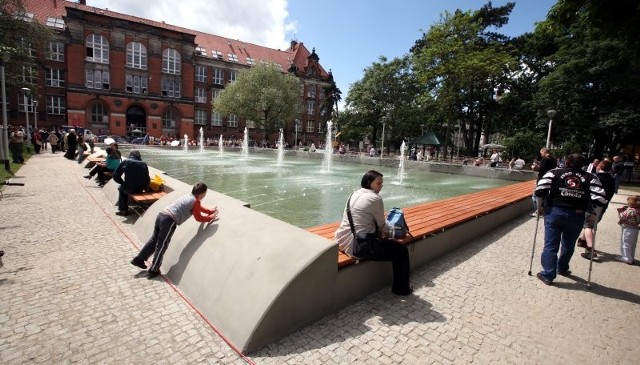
<point x="69" y="295"/>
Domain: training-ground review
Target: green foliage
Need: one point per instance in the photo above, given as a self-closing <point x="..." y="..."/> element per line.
<point x="264" y="95"/>
<point x="17" y="38"/>
<point x="523" y="143"/>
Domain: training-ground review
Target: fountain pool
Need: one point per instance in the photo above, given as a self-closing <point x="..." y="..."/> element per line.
<point x="299" y="192"/>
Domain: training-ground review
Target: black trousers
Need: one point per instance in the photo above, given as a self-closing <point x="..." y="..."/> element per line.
<point x="398" y="254"/>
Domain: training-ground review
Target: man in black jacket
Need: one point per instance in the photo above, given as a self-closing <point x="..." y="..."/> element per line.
<point x="136" y="180"/>
<point x="564" y="196"/>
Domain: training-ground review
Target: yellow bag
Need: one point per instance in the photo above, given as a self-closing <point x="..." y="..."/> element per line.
<point x="157" y="183"/>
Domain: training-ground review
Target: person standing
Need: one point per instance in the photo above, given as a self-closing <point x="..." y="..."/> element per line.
<point x="136" y="180"/>
<point x="166" y="223"/>
<point x="629" y="216"/>
<point x="616" y="170"/>
<point x="367" y="214"/>
<point x="563" y="196"/>
<point x="53" y="140"/>
<point x="71" y="143"/>
<point x="547" y="163"/>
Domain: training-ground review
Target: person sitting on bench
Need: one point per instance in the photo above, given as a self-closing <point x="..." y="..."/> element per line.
<point x="136" y="180"/>
<point x="110" y="164"/>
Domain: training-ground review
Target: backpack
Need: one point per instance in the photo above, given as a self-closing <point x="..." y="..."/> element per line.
<point x="397" y="221"/>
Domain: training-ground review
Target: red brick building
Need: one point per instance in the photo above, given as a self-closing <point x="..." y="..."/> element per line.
<point x="108" y="71"/>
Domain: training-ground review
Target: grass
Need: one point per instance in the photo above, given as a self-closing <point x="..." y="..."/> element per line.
<point x="6" y="175"/>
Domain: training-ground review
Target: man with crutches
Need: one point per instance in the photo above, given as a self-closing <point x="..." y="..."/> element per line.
<point x="564" y="195"/>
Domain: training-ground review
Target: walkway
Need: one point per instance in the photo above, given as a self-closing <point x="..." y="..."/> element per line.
<point x="68" y="294"/>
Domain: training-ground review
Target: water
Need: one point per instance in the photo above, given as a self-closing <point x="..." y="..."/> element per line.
<point x="201" y="140"/>
<point x="281" y="149"/>
<point x="297" y="191"/>
<point x="401" y="172"/>
<point x="186" y="143"/>
<point x="245" y="143"/>
<point x="328" y="149"/>
<point x="220" y="146"/>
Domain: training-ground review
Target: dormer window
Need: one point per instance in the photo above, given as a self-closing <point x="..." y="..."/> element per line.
<point x="201" y="51"/>
<point x="23" y="15"/>
<point x="232" y="57"/>
<point x="250" y="61"/>
<point x="216" y="54"/>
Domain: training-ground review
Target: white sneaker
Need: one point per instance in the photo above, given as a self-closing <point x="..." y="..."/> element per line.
<point x="534" y="214"/>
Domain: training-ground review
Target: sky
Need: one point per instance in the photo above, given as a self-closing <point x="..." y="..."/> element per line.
<point x="348" y="35"/>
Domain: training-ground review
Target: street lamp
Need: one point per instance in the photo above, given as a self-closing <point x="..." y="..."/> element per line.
<point x="26" y="92"/>
<point x="297" y="125"/>
<point x="384" y="122"/>
<point x="4" y="139"/>
<point x="34" y="104"/>
<point x="550" y="113"/>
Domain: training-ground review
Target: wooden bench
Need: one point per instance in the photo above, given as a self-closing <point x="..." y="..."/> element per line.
<point x="147" y="198"/>
<point x="433" y="217"/>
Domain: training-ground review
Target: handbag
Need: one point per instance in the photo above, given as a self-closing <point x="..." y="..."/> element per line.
<point x="368" y="246"/>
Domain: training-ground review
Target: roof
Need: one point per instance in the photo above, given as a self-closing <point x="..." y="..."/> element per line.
<point x="297" y="53"/>
<point x="429" y="138"/>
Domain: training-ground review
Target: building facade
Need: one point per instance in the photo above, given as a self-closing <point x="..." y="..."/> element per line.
<point x="122" y="75"/>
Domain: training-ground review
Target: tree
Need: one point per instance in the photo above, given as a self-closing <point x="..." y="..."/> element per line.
<point x="20" y="37"/>
<point x="264" y="95"/>
<point x="462" y="66"/>
<point x="332" y="96"/>
<point x="385" y="94"/>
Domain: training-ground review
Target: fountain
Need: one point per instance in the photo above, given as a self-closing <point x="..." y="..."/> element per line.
<point x="401" y="173"/>
<point x="221" y="145"/>
<point x="328" y="149"/>
<point x="186" y="143"/>
<point x="245" y="143"/>
<point x="281" y="149"/>
<point x="201" y="140"/>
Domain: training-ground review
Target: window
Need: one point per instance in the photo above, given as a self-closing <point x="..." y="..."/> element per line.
<point x="250" y="61"/>
<point x="97" y="79"/>
<point x="171" y="87"/>
<point x="56" y="51"/>
<point x="233" y="75"/>
<point x="97" y="48"/>
<point x="171" y="61"/>
<point x="200" y="117"/>
<point x="250" y="124"/>
<point x="54" y="77"/>
<point x="29" y="74"/>
<point x="136" y="55"/>
<point x="311" y="91"/>
<point x="24" y="103"/>
<point x="55" y="105"/>
<point x="321" y="92"/>
<point x="201" y="51"/>
<point x="310" y="126"/>
<point x="22" y="15"/>
<point x="26" y="45"/>
<point x="136" y="84"/>
<point x="215" y="93"/>
<point x="232" y="57"/>
<point x="216" y="54"/>
<point x="218" y="76"/>
<point x="233" y="121"/>
<point x="320" y="128"/>
<point x="99" y="114"/>
<point x="169" y="119"/>
<point x="201" y="95"/>
<point x="216" y="119"/>
<point x="310" y="107"/>
<point x="201" y="73"/>
<point x="55" y="22"/>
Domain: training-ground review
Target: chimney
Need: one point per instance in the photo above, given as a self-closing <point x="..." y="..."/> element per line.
<point x="83" y="2"/>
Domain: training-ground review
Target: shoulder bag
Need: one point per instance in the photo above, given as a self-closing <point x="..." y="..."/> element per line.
<point x="368" y="246"/>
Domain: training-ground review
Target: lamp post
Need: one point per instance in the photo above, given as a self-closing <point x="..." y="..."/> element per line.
<point x="25" y="92"/>
<point x="4" y="139"/>
<point x="550" y="113"/>
<point x="297" y="125"/>
<point x="384" y="122"/>
<point x="34" y="104"/>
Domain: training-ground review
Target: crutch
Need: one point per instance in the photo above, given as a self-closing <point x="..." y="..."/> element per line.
<point x="593" y="252"/>
<point x="533" y="249"/>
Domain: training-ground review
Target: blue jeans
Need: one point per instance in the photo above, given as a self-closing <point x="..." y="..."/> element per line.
<point x="561" y="225"/>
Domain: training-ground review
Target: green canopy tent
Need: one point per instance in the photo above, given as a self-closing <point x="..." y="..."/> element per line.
<point x="426" y="139"/>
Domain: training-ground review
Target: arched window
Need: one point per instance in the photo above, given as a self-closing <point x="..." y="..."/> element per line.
<point x="99" y="114"/>
<point x="137" y="55"/>
<point x="97" y="48"/>
<point x="171" y="61"/>
<point x="169" y="118"/>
